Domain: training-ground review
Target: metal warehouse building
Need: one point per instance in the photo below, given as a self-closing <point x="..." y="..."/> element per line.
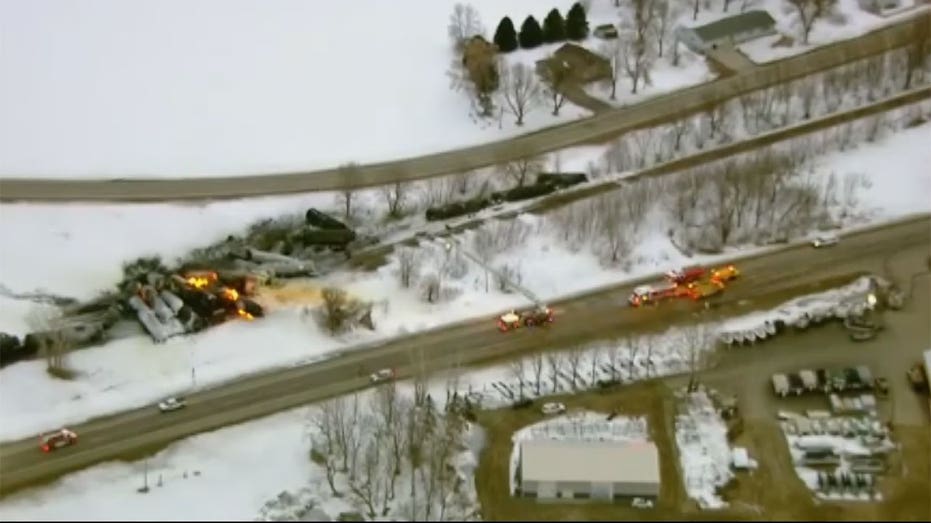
<point x="603" y="470"/>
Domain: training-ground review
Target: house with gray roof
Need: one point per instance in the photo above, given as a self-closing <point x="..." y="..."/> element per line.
<point x="729" y="31"/>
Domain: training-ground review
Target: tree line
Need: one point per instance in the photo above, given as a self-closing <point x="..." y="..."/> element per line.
<point x="555" y="29"/>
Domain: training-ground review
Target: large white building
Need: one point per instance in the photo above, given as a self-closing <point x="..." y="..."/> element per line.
<point x="602" y="470"/>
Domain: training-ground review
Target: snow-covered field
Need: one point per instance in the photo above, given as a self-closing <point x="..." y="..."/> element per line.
<point x="704" y="451"/>
<point x="579" y="425"/>
<point x="239" y="88"/>
<point x="111" y="377"/>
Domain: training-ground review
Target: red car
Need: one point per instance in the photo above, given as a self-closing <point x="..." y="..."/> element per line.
<point x="57" y="439"/>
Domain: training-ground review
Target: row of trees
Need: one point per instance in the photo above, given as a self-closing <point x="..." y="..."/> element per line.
<point x="555" y="29"/>
<point x="631" y="358"/>
<point x="768" y="109"/>
<point x="390" y="454"/>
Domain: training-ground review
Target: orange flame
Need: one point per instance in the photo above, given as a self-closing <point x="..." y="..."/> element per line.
<point x="230" y="294"/>
<point x="198" y="282"/>
<point x="244" y="315"/>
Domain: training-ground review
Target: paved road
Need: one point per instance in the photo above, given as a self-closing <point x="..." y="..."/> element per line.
<point x="590" y="316"/>
<point x="597" y="128"/>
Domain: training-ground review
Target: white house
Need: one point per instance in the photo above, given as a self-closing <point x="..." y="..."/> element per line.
<point x="728" y="31"/>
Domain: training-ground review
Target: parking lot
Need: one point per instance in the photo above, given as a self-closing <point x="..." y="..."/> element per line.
<point x="747" y="372"/>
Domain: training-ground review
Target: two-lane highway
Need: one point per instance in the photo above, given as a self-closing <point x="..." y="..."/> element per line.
<point x="590" y="130"/>
<point x="600" y="314"/>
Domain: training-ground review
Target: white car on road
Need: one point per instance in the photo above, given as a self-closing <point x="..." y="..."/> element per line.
<point x="382" y="375"/>
<point x="553" y="408"/>
<point x="825" y="240"/>
<point x="171" y="404"/>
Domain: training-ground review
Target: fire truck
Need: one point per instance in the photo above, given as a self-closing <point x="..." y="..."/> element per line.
<point x="686" y="275"/>
<point x="646" y="294"/>
<point x="536" y="317"/>
<point x="704" y="288"/>
<point x="725" y="274"/>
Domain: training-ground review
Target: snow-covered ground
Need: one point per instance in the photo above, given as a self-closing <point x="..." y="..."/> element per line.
<point x="240" y="88"/>
<point x="111" y="377"/>
<point x="704" y="451"/>
<point x="202" y="479"/>
<point x="579" y="425"/>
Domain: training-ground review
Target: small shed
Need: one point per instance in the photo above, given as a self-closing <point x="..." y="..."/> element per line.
<point x="728" y="31"/>
<point x="605" y="32"/>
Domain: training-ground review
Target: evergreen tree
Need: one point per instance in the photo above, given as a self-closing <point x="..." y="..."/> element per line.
<point x="554" y="27"/>
<point x="577" y="22"/>
<point x="531" y="35"/>
<point x="506" y="35"/>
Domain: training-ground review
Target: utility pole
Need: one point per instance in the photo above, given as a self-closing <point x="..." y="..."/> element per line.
<point x="145" y="478"/>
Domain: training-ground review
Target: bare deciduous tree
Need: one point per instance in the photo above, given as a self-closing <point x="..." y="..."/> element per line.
<point x="809" y="11"/>
<point x="345" y="197"/>
<point x="919" y="52"/>
<point x="520" y="170"/>
<point x="638" y="57"/>
<point x="407" y="266"/>
<point x="873" y="72"/>
<point x="557" y="77"/>
<point x="574" y="358"/>
<point x="464" y="22"/>
<point x="478" y="83"/>
<point x="335" y="304"/>
<point x="634" y="345"/>
<point x="554" y="361"/>
<point x="666" y="13"/>
<point x="536" y="366"/>
<point x="518" y="372"/>
<point x="431" y="287"/>
<point x="519" y="90"/>
<point x="595" y="354"/>
<point x="806" y="89"/>
<point x="324" y="446"/>
<point x="395" y="195"/>
<point x="54" y="341"/>
<point x="368" y="486"/>
<point x="696" y="340"/>
<point x="613" y="50"/>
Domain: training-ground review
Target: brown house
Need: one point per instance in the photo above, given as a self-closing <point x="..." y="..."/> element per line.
<point x="584" y="66"/>
<point x="478" y="57"/>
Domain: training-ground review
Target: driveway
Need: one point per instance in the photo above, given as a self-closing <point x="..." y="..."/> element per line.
<point x="731" y="59"/>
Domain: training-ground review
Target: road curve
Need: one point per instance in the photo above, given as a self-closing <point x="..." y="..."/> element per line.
<point x="597" y="128"/>
<point x="595" y="315"/>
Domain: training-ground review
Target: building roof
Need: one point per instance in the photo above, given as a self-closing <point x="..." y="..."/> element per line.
<point x="589" y="461"/>
<point x="734" y="24"/>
